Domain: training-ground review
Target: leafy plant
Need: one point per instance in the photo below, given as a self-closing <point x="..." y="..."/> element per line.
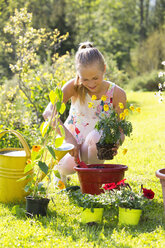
<point x="43" y="157"/>
<point x="110" y="127"/>
<point x="110" y="124"/>
<point x="88" y="200"/>
<point x="121" y="194"/>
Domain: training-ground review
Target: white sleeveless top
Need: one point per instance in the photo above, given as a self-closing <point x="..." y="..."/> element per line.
<point x="82" y="119"/>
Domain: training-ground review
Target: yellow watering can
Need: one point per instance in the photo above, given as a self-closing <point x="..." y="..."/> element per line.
<point x="12" y="164"/>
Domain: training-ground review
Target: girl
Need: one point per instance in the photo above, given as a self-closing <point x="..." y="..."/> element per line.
<point x="79" y="126"/>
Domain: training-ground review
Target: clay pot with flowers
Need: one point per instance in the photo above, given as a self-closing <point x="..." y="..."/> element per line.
<point x="129" y="201"/>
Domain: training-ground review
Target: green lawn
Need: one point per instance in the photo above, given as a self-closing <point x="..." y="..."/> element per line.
<point x="62" y="227"/>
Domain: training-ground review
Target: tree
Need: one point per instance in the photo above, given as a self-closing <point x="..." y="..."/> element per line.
<point x="26" y="42"/>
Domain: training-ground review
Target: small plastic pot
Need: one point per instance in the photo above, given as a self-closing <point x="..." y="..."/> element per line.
<point x="36" y="206"/>
<point x="87" y="216"/>
<point x="129" y="216"/>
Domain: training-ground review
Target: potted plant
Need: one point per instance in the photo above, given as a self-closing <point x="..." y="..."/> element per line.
<point x="110" y="125"/>
<point x="129" y="201"/>
<point x="43" y="158"/>
<point x="92" y="206"/>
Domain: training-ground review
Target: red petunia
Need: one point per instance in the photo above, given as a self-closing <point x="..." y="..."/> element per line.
<point x="109" y="186"/>
<point x="121" y="182"/>
<point x="148" y="193"/>
<point x="77" y="130"/>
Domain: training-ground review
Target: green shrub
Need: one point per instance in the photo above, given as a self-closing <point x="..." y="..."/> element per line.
<point x="145" y="82"/>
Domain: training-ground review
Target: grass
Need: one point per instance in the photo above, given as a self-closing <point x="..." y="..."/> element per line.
<point x="62" y="227"/>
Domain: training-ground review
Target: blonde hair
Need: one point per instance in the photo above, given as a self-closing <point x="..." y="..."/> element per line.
<point x="85" y="56"/>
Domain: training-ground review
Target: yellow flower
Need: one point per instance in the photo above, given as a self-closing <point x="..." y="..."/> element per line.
<point x="103" y="98"/>
<point x="36" y="148"/>
<point x="94" y="97"/>
<point x="132" y="107"/>
<point x="126" y="112"/>
<point x="90" y="104"/>
<point x="106" y="107"/>
<point x="138" y="110"/>
<point x="122" y="116"/>
<point x="121" y="106"/>
<point x="61" y="185"/>
<point x="125" y="151"/>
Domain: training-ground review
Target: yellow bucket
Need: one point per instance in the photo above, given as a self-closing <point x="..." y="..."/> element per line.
<point x="12" y="164"/>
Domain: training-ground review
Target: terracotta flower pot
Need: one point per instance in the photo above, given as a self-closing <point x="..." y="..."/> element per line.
<point x="161" y="175"/>
<point x="92" y="178"/>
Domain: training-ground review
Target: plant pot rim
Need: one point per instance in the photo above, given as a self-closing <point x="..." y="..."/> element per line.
<point x="37" y="199"/>
<point x="130" y="209"/>
<point x="109" y="167"/>
<point x="160" y="173"/>
<point x="82" y="208"/>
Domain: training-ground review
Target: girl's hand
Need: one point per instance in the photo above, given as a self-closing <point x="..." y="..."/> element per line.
<point x="75" y="152"/>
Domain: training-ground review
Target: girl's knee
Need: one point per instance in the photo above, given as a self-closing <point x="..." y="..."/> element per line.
<point x="93" y="137"/>
<point x="66" y="165"/>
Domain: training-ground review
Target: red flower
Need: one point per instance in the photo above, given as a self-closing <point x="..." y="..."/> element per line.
<point x="148" y="193"/>
<point x="109" y="186"/>
<point x="77" y="130"/>
<point x="121" y="182"/>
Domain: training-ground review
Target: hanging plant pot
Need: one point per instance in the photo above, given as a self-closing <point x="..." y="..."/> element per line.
<point x="104" y="152"/>
<point x="92" y="178"/>
<point x="161" y="175"/>
<point x="129" y="216"/>
<point x="36" y="206"/>
<point x="87" y="216"/>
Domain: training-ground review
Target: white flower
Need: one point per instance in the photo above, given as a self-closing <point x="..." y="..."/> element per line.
<point x="160" y="86"/>
<point x="161" y="99"/>
<point x="163" y="63"/>
<point x="161" y="74"/>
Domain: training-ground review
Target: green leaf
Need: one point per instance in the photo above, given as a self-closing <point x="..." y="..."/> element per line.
<point x="28" y="167"/>
<point x="62" y="109"/>
<point x="40" y="185"/>
<point x="24" y="178"/>
<point x="43" y="166"/>
<point x="52" y="96"/>
<point x="57" y="174"/>
<point x="16" y="210"/>
<point x="62" y="130"/>
<point x="59" y="94"/>
<point x="59" y="141"/>
<point x="58" y="106"/>
<point x="44" y="127"/>
<point x="51" y="150"/>
<point x="27" y="187"/>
